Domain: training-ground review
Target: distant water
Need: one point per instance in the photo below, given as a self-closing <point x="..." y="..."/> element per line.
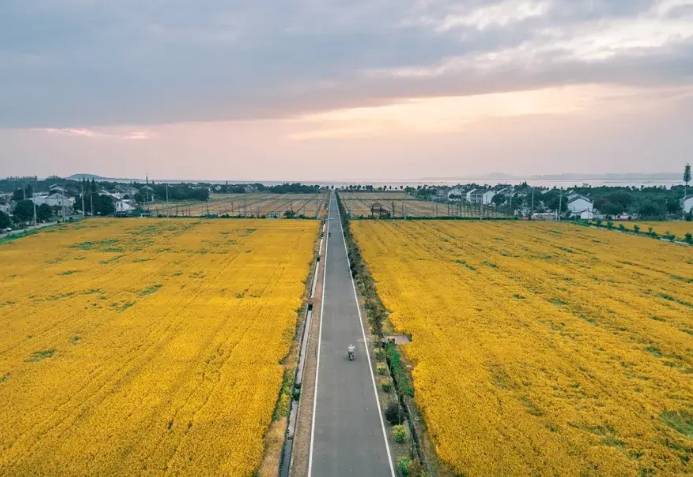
<point x="562" y="183"/>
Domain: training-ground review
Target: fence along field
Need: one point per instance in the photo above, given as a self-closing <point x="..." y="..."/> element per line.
<point x="542" y="348"/>
<point x="247" y="205"/>
<point x="132" y="346"/>
<point x="401" y="204"/>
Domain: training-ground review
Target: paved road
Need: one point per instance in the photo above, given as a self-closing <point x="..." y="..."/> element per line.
<point x="348" y="435"/>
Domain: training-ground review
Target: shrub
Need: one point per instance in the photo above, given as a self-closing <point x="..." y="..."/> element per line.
<point x="399" y="433"/>
<point x="386" y="386"/>
<point x="621" y="227"/>
<point x="636" y="228"/>
<point x="688" y="238"/>
<point x="609" y="224"/>
<point x="393" y="413"/>
<point x="381" y="369"/>
<point x="669" y="236"/>
<point x="380" y="355"/>
<point x="403" y="465"/>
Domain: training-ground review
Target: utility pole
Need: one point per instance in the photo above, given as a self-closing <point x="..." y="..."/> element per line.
<point x="84" y="212"/>
<point x="91" y="202"/>
<point x="531" y="210"/>
<point x="168" y="213"/>
<point x="560" y="197"/>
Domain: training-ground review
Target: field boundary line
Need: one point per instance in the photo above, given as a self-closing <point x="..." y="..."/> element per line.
<point x="317" y="363"/>
<point x="368" y="354"/>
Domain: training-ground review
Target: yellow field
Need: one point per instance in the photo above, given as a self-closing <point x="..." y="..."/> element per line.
<point x="543" y="348"/>
<point x="146" y="346"/>
<point x="677" y="227"/>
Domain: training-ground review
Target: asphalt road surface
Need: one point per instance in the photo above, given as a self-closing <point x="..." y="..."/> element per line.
<point x="348" y="437"/>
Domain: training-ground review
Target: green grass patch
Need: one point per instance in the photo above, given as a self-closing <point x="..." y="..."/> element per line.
<point x="465" y="264"/>
<point x="151" y="289"/>
<point x="399" y="372"/>
<point x="41" y="355"/>
<point x="681" y="421"/>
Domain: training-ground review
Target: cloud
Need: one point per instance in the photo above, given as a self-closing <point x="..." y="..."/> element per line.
<point x="494" y="15"/>
<point x="75" y="64"/>
<point x="446" y="115"/>
<point x="134" y="135"/>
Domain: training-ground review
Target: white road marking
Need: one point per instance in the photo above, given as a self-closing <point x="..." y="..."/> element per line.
<point x="368" y="355"/>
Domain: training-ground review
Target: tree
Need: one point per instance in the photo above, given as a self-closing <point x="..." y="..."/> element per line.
<point x="103" y="205"/>
<point x="686" y="179"/>
<point x="651" y="209"/>
<point x="44" y="213"/>
<point x="24" y="211"/>
<point x="5" y="221"/>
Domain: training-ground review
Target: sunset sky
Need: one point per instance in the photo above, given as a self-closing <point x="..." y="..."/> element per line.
<point x="344" y="90"/>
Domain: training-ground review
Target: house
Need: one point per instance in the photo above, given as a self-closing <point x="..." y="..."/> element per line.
<point x="455" y="194"/>
<point x="586" y="215"/>
<point x="53" y="199"/>
<point x="57" y="200"/>
<point x="580" y="206"/>
<point x="475" y="196"/>
<point x="487" y="197"/>
<point x="687" y="204"/>
<point x="124" y="206"/>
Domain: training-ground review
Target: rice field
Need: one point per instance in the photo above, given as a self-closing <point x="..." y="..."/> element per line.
<point x="542" y="348"/>
<point x="401" y="204"/>
<point x="247" y="205"/>
<point x="663" y="227"/>
<point x="146" y="346"/>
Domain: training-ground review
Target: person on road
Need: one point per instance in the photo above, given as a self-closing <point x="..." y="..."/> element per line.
<point x="351" y="352"/>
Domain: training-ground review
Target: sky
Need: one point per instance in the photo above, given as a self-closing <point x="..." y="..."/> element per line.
<point x="344" y="90"/>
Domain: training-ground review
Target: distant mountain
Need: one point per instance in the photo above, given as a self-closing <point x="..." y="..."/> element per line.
<point x="81" y="177"/>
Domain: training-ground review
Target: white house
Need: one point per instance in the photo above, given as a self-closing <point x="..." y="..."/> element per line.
<point x="455" y="194"/>
<point x="54" y="199"/>
<point x="487" y="197"/>
<point x="687" y="204"/>
<point x="580" y="206"/>
<point x="475" y="196"/>
<point x="124" y="206"/>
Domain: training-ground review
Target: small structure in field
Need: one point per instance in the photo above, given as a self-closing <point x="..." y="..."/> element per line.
<point x="377" y="210"/>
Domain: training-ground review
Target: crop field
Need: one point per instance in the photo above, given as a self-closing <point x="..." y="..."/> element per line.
<point x="542" y="348"/>
<point x="677" y="227"/>
<point x="248" y="205"/>
<point x="401" y="204"/>
<point x="146" y="346"/>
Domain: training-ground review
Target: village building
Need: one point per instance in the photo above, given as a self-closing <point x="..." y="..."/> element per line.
<point x="124" y="206"/>
<point x="687" y="204"/>
<point x="487" y="197"/>
<point x="455" y="194"/>
<point x="580" y="206"/>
